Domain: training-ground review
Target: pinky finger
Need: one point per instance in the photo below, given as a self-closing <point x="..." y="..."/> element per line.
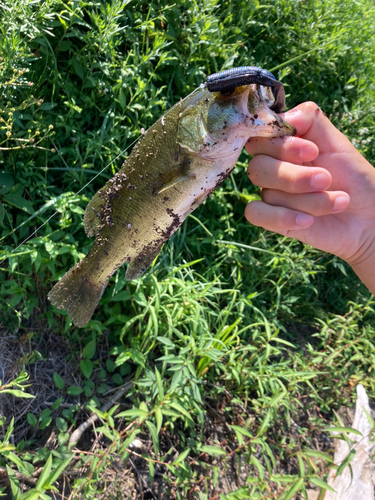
<point x="277" y="219"/>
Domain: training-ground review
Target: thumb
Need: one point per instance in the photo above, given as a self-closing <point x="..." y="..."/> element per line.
<point x="312" y="124"/>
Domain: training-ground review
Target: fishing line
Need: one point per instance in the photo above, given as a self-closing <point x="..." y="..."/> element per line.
<point x="88" y="183"/>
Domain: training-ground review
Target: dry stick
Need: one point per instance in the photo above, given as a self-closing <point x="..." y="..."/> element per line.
<point x="22" y="477"/>
<point x="76" y="436"/>
<point x="141" y="479"/>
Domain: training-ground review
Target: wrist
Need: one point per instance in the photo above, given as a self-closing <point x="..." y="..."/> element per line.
<point x="364" y="264"/>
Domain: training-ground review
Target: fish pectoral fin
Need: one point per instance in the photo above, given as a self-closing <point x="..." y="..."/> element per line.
<point x="141" y="263"/>
<point x="170" y="178"/>
<point x="92" y="218"/>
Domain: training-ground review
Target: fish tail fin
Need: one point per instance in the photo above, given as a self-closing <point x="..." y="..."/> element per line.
<point x="77" y="294"/>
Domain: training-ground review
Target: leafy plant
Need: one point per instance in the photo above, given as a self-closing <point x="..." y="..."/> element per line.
<point x="239" y="344"/>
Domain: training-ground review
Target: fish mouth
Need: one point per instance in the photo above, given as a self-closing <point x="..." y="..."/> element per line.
<point x="264" y="122"/>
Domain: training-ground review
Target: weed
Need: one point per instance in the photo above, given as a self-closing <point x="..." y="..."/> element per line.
<point x="238" y="344"/>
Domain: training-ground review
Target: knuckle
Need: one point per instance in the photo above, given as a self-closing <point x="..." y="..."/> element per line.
<point x="266" y="195"/>
<point x="322" y="204"/>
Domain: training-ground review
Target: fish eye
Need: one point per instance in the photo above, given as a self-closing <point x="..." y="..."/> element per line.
<point x="227" y="92"/>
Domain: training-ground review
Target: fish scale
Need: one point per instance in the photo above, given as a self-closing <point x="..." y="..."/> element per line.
<point x="176" y="164"/>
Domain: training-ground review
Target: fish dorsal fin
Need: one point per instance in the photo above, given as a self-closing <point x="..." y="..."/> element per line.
<point x="98" y="212"/>
<point x="92" y="218"/>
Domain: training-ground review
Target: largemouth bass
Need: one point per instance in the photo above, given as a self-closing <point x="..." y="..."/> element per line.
<point x="171" y="170"/>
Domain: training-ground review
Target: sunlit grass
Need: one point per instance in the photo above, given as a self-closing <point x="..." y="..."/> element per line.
<point x="230" y="319"/>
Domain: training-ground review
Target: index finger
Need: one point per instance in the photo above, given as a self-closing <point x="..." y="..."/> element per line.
<point x="290" y="149"/>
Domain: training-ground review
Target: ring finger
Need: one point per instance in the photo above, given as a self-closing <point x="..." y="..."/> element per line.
<point x="323" y="203"/>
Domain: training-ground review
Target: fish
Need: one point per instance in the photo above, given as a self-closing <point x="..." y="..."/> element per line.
<point x="178" y="162"/>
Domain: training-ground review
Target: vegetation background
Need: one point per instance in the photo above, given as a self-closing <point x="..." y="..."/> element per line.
<point x="238" y="348"/>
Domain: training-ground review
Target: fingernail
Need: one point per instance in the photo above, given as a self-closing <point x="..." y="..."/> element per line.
<point x="341" y="203"/>
<point x="320" y="181"/>
<point x="304" y="220"/>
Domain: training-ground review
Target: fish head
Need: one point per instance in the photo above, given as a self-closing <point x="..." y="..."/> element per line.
<point x="216" y="124"/>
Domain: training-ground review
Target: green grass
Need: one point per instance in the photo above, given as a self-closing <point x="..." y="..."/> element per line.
<point x="231" y="319"/>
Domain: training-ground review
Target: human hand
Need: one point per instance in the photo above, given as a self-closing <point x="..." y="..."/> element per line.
<point x="317" y="188"/>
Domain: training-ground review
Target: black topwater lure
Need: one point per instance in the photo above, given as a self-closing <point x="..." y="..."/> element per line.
<point x="226" y="81"/>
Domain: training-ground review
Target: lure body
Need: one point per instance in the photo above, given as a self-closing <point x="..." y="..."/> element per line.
<point x="245" y="75"/>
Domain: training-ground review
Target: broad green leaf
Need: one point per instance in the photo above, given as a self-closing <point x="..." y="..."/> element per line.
<point x="283" y="478"/>
<point x="31" y="495"/>
<point x="6" y="182"/>
<point x="182" y="456"/>
<point x="14" y="458"/>
<point x="44" y="475"/>
<point x="109" y="433"/>
<point x="159" y="419"/>
<point x="14" y="484"/>
<point x="133" y="412"/>
<point x="170" y="413"/>
<point x="19" y="202"/>
<point x="86" y="366"/>
<point x="258" y="466"/>
<point x="59" y="469"/>
<point x="140" y="299"/>
<point x="241" y="430"/>
<point x="346" y="462"/>
<point x="122" y="296"/>
<point x="154" y="436"/>
<point x="59" y="381"/>
<point x="117" y="379"/>
<point x="6" y="447"/>
<point x="166" y="341"/>
<point x="110" y="365"/>
<point x="45" y="422"/>
<point x="293" y="490"/>
<point x="318" y="454"/>
<point x="74" y="390"/>
<point x="239" y="437"/>
<point x="61" y="424"/>
<point x="321" y="484"/>
<point x="57" y="403"/>
<point x="47" y="106"/>
<point x="9" y="431"/>
<point x="17" y="393"/>
<point x="176" y="406"/>
<point x="344" y="429"/>
<point x="369" y="418"/>
<point x="264" y="425"/>
<point x="276" y="399"/>
<point x="212" y="450"/>
<point x="137" y="357"/>
<point x="159" y="384"/>
<point x="32" y="420"/>
<point x="301" y="465"/>
<point x="89" y="349"/>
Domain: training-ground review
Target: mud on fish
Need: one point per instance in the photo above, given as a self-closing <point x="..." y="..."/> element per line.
<point x="172" y="169"/>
